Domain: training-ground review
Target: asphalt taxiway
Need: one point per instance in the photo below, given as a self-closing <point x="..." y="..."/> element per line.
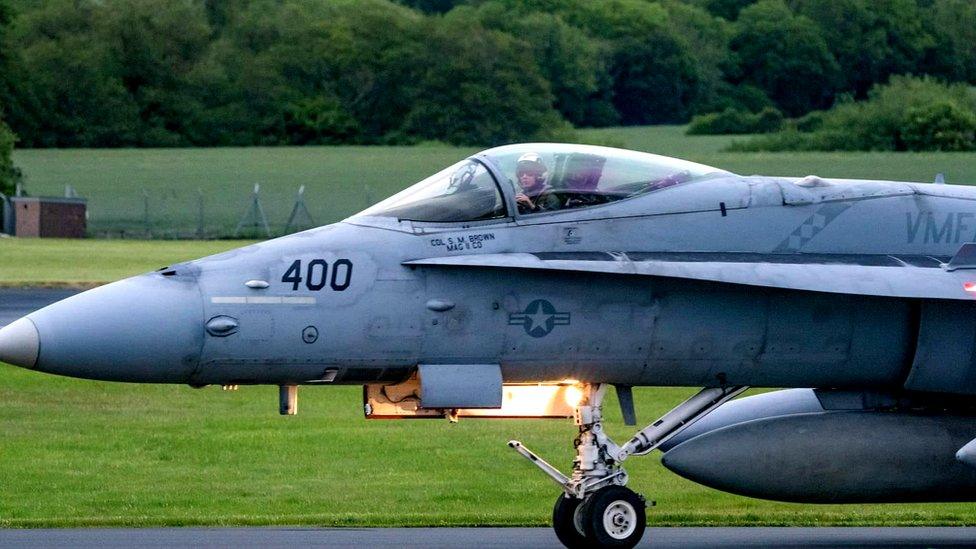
<point x="17" y="302"/>
<point x="508" y="538"/>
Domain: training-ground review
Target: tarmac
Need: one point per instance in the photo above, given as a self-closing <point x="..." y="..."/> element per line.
<point x="507" y="538"/>
<point x="17" y="302"/>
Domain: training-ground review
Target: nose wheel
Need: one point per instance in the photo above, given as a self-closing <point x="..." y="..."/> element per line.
<point x="595" y="508"/>
<point x="613" y="517"/>
<point x="610" y="517"/>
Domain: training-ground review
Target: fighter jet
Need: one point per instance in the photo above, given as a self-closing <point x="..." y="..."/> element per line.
<point x="527" y="280"/>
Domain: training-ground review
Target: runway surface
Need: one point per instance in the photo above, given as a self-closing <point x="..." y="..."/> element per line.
<point x="508" y="538"/>
<point x="17" y="302"/>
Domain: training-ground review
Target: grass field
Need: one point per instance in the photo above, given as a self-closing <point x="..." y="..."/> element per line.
<point x="97" y="454"/>
<point x="959" y="168"/>
<point x="72" y="263"/>
<point x="75" y="452"/>
<point x="339" y="181"/>
<point x="343" y="180"/>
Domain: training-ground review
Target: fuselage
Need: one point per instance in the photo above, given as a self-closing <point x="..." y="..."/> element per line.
<point x="338" y="304"/>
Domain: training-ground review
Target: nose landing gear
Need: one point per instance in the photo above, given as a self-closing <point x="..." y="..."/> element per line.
<point x="596" y="508"/>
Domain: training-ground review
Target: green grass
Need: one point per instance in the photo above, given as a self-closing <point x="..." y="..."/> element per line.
<point x="81" y="453"/>
<point x="666" y="140"/>
<point x="343" y="180"/>
<point x="960" y="168"/>
<point x="74" y="263"/>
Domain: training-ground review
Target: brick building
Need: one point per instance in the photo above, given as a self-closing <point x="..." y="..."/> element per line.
<point x="49" y="217"/>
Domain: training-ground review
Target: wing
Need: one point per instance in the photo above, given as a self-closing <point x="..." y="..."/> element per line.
<point x="875" y="275"/>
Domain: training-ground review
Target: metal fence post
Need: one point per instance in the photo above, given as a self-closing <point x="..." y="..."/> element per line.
<point x="368" y="196"/>
<point x="254" y="216"/>
<point x="299" y="210"/>
<point x="200" y="217"/>
<point x="145" y="213"/>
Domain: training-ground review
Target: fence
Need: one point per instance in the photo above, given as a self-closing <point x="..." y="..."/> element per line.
<point x="205" y="192"/>
<point x="251" y="213"/>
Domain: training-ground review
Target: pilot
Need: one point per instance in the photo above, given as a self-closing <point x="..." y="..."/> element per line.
<point x="536" y="195"/>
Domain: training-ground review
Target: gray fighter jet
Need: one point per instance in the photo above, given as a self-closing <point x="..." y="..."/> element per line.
<point x="528" y="279"/>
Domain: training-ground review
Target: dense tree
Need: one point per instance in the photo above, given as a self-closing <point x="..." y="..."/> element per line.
<point x="432" y="6"/>
<point x="457" y="103"/>
<point x="708" y="38"/>
<point x="952" y="26"/>
<point x="378" y="77"/>
<point x="317" y="72"/>
<point x="68" y="97"/>
<point x="153" y="45"/>
<point x="106" y="74"/>
<point x="942" y="126"/>
<point x="574" y="64"/>
<point x="322" y="63"/>
<point x="11" y="68"/>
<point x="655" y="79"/>
<point x="727" y="9"/>
<point x="243" y="72"/>
<point x="6" y="63"/>
<point x="786" y="56"/>
<point x="906" y="114"/>
<point x="654" y="76"/>
<point x="220" y="13"/>
<point x="9" y="174"/>
<point x="870" y="39"/>
<point x="6" y="17"/>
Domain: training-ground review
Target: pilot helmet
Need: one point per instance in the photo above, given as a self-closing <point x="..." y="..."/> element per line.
<point x="531" y="163"/>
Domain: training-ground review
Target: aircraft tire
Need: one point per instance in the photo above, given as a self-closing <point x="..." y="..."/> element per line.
<point x="567" y="523"/>
<point x="614" y="517"/>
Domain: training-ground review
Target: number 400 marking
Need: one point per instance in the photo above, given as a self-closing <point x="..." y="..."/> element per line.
<point x="317" y="272"/>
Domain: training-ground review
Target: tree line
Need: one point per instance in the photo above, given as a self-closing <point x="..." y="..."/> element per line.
<point x="906" y="114"/>
<point x="112" y="73"/>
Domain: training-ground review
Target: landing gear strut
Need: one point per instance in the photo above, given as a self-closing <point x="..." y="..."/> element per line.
<point x="596" y="508"/>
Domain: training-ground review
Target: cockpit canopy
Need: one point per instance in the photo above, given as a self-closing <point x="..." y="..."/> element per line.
<point x="536" y="178"/>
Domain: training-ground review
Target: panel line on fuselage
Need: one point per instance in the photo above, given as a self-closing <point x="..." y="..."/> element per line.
<point x="263" y="300"/>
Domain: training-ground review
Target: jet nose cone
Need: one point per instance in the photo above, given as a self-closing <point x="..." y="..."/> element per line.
<point x="19" y="343"/>
<point x="147" y="328"/>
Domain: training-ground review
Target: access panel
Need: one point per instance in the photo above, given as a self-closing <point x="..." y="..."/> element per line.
<point x="944" y="359"/>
